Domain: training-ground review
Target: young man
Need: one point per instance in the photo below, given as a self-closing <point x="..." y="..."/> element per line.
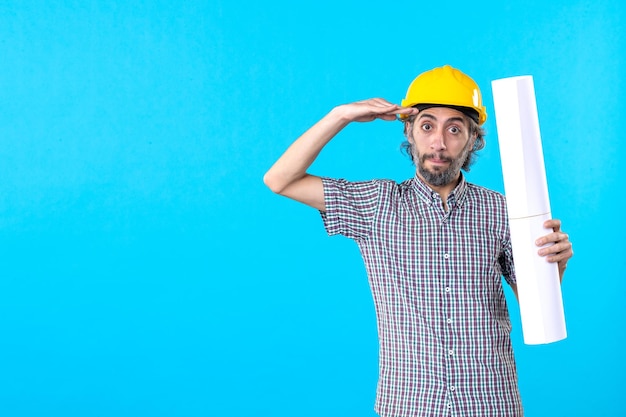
<point x="435" y="249"/>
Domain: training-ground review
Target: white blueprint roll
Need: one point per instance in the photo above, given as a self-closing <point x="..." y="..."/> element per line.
<point x="538" y="286"/>
<point x="528" y="204"/>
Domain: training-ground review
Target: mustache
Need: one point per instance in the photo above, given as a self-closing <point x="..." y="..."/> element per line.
<point x="438" y="156"/>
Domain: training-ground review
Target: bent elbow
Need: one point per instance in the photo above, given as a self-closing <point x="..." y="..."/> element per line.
<point x="272" y="183"/>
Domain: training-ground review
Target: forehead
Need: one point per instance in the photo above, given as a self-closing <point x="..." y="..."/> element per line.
<point x="441" y="114"/>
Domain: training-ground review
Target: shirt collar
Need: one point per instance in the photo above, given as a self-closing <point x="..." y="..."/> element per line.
<point x="428" y="195"/>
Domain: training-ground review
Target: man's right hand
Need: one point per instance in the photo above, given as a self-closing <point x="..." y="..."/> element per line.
<point x="374" y="108"/>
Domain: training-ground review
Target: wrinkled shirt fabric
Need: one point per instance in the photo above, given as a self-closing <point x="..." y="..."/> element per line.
<point x="436" y="280"/>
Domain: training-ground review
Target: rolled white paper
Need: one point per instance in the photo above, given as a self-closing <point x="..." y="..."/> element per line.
<point x="528" y="205"/>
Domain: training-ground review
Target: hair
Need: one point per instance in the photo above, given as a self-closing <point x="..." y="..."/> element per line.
<point x="474" y="129"/>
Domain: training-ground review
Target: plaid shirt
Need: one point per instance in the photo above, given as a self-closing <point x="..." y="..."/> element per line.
<point x="436" y="280"/>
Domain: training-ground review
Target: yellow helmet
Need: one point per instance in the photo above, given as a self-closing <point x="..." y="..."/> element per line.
<point x="446" y="86"/>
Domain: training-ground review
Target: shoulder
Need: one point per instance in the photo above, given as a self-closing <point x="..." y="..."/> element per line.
<point x="367" y="184"/>
<point x="490" y="207"/>
<point x="485" y="196"/>
<point x="374" y="189"/>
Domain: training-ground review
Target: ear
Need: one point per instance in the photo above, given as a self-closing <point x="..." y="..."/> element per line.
<point x="472" y="139"/>
<point x="407" y="127"/>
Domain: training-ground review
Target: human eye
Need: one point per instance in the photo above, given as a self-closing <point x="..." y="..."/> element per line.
<point x="455" y="130"/>
<point x="427" y="127"/>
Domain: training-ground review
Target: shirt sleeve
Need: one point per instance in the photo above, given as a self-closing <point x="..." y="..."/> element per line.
<point x="350" y="207"/>
<point x="506" y="260"/>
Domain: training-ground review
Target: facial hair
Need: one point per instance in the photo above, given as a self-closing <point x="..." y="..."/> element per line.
<point x="439" y="177"/>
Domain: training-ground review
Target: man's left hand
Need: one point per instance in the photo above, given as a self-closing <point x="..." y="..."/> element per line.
<point x="561" y="249"/>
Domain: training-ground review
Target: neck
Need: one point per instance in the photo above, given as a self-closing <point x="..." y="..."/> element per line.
<point x="443" y="190"/>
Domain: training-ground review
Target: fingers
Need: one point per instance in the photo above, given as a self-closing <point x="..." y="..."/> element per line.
<point x="377" y="105"/>
<point x="554" y="224"/>
<point x="409" y="111"/>
<point x="556" y="245"/>
<point x="378" y="108"/>
<point x="553" y="237"/>
<point x="556" y="236"/>
<point x="558" y="252"/>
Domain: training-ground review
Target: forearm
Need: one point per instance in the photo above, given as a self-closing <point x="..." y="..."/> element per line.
<point x="293" y="164"/>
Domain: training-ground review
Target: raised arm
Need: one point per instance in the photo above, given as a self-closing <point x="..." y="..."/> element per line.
<point x="288" y="176"/>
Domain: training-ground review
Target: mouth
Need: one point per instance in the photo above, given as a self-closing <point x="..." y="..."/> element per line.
<point x="438" y="160"/>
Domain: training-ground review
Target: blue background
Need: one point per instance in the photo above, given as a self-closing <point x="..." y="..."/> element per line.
<point x="145" y="270"/>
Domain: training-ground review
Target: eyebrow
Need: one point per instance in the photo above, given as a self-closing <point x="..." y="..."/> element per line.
<point x="452" y="119"/>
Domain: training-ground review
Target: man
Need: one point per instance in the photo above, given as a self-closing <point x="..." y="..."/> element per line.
<point x="435" y="249"/>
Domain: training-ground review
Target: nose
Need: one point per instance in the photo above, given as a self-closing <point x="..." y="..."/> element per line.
<point x="438" y="141"/>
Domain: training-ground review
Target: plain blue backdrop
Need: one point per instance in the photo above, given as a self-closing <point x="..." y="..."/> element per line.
<point x="145" y="270"/>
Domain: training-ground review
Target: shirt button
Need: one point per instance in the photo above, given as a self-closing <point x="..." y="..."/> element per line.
<point x="450" y="352"/>
<point x="452" y="388"/>
<point x="447" y="289"/>
<point x="446" y="256"/>
<point x="449" y="405"/>
<point x="449" y="321"/>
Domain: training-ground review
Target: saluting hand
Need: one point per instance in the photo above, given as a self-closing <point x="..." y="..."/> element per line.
<point x="374" y="108"/>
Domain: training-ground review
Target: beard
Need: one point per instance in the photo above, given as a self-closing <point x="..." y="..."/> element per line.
<point x="439" y="176"/>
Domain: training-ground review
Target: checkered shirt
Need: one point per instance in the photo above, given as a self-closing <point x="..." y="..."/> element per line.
<point x="436" y="280"/>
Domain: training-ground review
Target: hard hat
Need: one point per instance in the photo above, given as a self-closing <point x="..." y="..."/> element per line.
<point x="446" y="86"/>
